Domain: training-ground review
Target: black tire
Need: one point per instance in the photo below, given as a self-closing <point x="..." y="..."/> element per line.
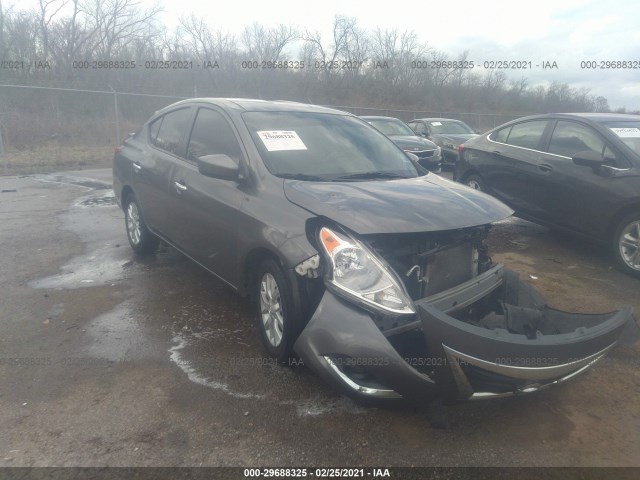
<point x="626" y="244"/>
<point x="142" y="241"/>
<point x="276" y="312"/>
<point x="476" y="182"/>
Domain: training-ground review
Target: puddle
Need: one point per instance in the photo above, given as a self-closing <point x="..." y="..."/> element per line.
<point x="73" y="180"/>
<point x="99" y="200"/>
<point x="100" y="267"/>
<point x="106" y="255"/>
<point x="116" y="336"/>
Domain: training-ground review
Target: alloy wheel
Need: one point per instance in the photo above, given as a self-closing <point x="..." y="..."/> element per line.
<point x="629" y="244"/>
<point x="271" y="309"/>
<point x="474" y="184"/>
<point x="133" y="223"/>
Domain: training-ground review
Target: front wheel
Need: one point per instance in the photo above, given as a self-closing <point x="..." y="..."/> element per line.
<point x="140" y="238"/>
<point x="476" y="182"/>
<point x="275" y="311"/>
<point x="626" y="244"/>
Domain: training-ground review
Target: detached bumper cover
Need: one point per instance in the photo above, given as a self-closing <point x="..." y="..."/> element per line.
<point x="523" y="347"/>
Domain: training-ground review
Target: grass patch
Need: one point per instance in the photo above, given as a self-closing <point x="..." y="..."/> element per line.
<point x="55" y="157"/>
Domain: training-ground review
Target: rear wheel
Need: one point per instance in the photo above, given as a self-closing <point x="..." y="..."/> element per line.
<point x="476" y="182"/>
<point x="140" y="238"/>
<point x="626" y="244"/>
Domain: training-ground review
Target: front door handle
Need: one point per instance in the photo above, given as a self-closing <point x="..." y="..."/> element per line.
<point x="545" y="167"/>
<point x="137" y="167"/>
<point x="180" y="187"/>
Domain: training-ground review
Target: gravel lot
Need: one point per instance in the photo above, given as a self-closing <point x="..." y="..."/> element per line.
<point x="108" y="359"/>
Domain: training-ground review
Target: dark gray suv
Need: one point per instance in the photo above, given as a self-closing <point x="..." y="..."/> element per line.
<point x="371" y="269"/>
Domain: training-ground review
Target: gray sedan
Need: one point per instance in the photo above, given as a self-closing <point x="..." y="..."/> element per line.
<point x="372" y="270"/>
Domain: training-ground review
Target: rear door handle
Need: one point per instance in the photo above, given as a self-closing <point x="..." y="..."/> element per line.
<point x="180" y="187"/>
<point x="545" y="167"/>
<point x="137" y="167"/>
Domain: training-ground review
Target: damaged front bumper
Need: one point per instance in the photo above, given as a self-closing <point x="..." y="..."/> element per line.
<point x="491" y="336"/>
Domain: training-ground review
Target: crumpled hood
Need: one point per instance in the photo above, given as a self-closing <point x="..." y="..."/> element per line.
<point x="409" y="142"/>
<point x="422" y="204"/>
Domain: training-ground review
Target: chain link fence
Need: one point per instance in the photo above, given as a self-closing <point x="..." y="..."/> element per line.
<point x="48" y="129"/>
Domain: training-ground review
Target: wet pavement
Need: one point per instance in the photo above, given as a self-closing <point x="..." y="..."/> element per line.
<point x="107" y="358"/>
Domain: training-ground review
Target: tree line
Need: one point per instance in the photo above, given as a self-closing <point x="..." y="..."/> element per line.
<point x="121" y="44"/>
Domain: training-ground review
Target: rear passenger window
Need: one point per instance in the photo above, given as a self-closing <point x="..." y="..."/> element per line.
<point x="212" y="135"/>
<point x="527" y="134"/>
<point x="569" y="138"/>
<point x="171" y="130"/>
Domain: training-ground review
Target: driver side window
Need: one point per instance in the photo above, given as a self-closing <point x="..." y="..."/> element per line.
<point x="211" y="135"/>
<point x="569" y="138"/>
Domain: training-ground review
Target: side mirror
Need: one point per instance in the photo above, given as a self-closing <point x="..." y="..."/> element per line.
<point x="218" y="166"/>
<point x="588" y="158"/>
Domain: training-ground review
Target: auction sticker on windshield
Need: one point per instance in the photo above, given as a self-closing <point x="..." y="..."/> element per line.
<point x="627" y="132"/>
<point x="277" y="140"/>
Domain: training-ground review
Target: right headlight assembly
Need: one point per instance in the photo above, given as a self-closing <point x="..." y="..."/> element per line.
<point x="357" y="273"/>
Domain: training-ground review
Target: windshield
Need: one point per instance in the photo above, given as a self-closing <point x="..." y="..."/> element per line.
<point x="450" y="127"/>
<point x="391" y="126"/>
<point x="320" y="146"/>
<point x="629" y="133"/>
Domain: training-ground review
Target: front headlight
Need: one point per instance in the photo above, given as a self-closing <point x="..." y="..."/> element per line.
<point x="437" y="152"/>
<point x="357" y="272"/>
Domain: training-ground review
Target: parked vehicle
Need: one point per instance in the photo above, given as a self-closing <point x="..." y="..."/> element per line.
<point x="428" y="153"/>
<point x="447" y="133"/>
<point x="577" y="172"/>
<point x="372" y="270"/>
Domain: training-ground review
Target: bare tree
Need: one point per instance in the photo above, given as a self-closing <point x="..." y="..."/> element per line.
<point x="71" y="39"/>
<point x="117" y="23"/>
<point x="2" y="46"/>
<point x="267" y="44"/>
<point x="48" y="10"/>
<point x="398" y="53"/>
<point x="339" y="62"/>
<point x="207" y="44"/>
<point x="21" y="40"/>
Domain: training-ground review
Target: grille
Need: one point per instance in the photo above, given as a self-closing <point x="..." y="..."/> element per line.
<point x="422" y="154"/>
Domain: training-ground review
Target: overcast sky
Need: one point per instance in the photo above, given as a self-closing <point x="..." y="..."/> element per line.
<point x="566" y="32"/>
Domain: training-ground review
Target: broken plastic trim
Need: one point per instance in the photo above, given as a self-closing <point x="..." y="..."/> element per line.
<point x="309" y="267"/>
<point x="534" y="375"/>
<point x="368" y="391"/>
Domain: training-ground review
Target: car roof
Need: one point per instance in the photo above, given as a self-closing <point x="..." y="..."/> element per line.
<point x="588" y="116"/>
<point x="379" y="117"/>
<point x="431" y="119"/>
<point x="600" y="117"/>
<point x="256" y="105"/>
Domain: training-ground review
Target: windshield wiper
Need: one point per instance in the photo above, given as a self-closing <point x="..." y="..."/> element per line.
<point x="301" y="176"/>
<point x="367" y="175"/>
